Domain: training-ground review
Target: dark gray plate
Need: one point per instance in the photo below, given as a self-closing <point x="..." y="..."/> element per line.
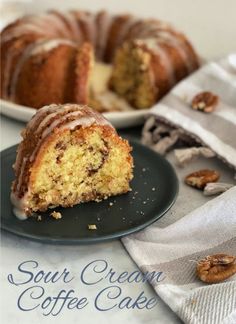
<point x="154" y="190"/>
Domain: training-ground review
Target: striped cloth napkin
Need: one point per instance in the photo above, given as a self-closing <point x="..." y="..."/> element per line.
<point x="175" y="249"/>
<point x="215" y="130"/>
<point x="210" y="229"/>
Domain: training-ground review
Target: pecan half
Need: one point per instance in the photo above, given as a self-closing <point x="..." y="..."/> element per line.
<point x="205" y="101"/>
<point x="200" y="178"/>
<point x="216" y="268"/>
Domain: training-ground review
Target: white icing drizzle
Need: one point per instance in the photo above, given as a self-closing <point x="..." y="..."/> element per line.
<point x="49" y="23"/>
<point x="153" y="45"/>
<point x="20" y="31"/>
<point x="85" y="121"/>
<point x="20" y="214"/>
<point x="43" y="20"/>
<point x="19" y="206"/>
<point x="175" y="42"/>
<point x="34" y="120"/>
<point x="51" y="127"/>
<point x="149" y="28"/>
<point x="58" y="24"/>
<point x="53" y="113"/>
<point x="82" y="121"/>
<point x="70" y="18"/>
<point x="145" y="29"/>
<point x="40" y="21"/>
<point x="50" y="44"/>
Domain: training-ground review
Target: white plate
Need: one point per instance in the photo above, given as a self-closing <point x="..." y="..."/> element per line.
<point x="118" y="119"/>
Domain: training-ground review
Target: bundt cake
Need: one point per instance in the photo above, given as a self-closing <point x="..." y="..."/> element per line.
<point x="52" y="57"/>
<point x="69" y="154"/>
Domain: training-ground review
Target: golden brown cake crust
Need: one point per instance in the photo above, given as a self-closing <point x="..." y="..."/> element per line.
<point x="51" y="73"/>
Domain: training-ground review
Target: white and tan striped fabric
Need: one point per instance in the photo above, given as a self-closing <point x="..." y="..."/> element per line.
<point x="216" y="130"/>
<point x="210" y="229"/>
<point x="175" y="249"/>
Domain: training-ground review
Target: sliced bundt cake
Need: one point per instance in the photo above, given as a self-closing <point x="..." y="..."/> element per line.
<point x="69" y="154"/>
<point x="44" y="59"/>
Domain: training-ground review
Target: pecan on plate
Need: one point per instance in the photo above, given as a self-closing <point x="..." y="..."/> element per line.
<point x="200" y="178"/>
<point x="216" y="268"/>
<point x="205" y="102"/>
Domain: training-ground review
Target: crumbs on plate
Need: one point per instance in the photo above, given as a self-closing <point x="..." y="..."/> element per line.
<point x="92" y="227"/>
<point x="56" y="215"/>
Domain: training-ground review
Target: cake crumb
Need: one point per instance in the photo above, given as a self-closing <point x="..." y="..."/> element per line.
<point x="153" y="189"/>
<point x="92" y="227"/>
<point x="111" y="204"/>
<point x="39" y="218"/>
<point x="56" y="215"/>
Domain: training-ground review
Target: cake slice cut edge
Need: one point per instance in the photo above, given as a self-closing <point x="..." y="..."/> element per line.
<point x="132" y="76"/>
